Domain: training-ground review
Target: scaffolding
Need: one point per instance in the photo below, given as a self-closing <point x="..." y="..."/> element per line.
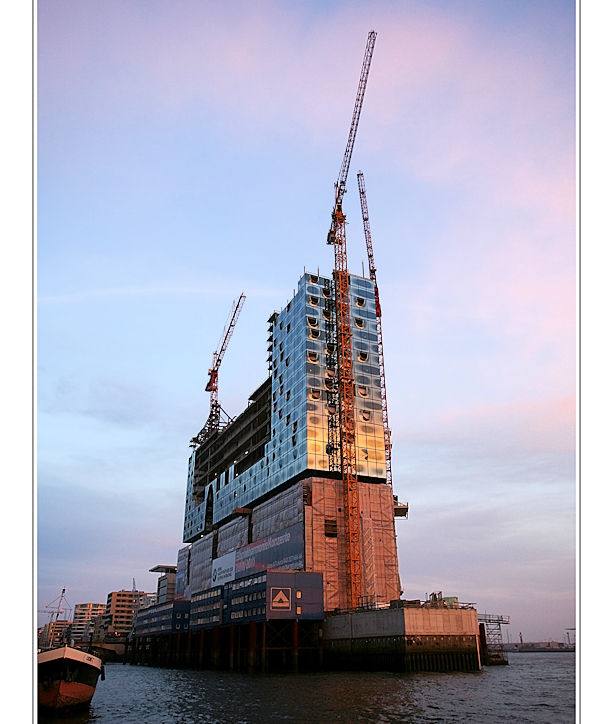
<point x="493" y="637"/>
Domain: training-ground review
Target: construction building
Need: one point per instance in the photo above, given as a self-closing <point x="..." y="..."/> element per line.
<point x="301" y="480"/>
<point x="289" y="523"/>
<point x="266" y="491"/>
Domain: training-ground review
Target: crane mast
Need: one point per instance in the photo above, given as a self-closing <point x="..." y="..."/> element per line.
<point x="344" y="363"/>
<point x="212" y="425"/>
<point x="387" y="434"/>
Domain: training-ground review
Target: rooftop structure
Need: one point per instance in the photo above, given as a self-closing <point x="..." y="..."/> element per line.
<point x="166" y="583"/>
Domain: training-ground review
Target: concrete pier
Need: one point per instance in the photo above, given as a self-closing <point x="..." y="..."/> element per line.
<point x="390" y="639"/>
<point x="403" y="639"/>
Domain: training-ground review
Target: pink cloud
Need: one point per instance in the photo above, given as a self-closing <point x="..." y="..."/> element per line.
<point x="530" y="425"/>
<point x="484" y="116"/>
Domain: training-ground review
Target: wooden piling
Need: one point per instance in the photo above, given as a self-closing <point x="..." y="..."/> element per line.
<point x="232" y="635"/>
<point x="295" y="645"/>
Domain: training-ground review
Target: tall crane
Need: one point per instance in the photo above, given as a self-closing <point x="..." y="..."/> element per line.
<point x="387" y="433"/>
<point x="344" y="376"/>
<point x="212" y="425"/>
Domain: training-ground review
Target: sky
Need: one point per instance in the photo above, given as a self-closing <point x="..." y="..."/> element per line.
<point x="187" y="152"/>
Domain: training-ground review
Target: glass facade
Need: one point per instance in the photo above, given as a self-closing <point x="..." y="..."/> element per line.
<point x="299" y="404"/>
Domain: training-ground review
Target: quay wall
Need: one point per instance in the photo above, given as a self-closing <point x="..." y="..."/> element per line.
<point x="399" y="639"/>
<point x="403" y="639"/>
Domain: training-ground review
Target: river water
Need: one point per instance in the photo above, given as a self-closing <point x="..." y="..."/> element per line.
<point x="534" y="687"/>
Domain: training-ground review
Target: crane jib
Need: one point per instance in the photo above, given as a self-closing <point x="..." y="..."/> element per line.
<point x="342" y="177"/>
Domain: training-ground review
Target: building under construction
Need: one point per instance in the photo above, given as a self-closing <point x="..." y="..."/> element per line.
<point x="267" y="491"/>
<point x="289" y="510"/>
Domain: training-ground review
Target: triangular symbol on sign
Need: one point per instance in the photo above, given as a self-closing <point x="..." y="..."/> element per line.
<point x="281" y="598"/>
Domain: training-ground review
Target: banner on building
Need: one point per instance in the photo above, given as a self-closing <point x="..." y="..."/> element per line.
<point x="280" y="551"/>
<point x="223" y="569"/>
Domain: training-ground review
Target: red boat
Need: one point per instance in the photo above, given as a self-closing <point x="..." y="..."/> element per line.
<point x="67" y="678"/>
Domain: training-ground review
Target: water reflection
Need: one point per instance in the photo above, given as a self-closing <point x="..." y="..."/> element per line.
<point x="533" y="688"/>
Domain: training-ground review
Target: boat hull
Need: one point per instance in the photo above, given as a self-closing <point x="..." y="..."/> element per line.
<point x="67" y="679"/>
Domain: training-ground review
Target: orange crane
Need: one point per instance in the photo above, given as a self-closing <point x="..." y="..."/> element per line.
<point x="212" y="425"/>
<point x="387" y="433"/>
<point x="345" y="381"/>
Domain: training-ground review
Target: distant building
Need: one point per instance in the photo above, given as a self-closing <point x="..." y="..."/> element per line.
<point x="54" y="634"/>
<point x="166" y="583"/>
<point x="119" y="613"/>
<point x="98" y="623"/>
<point x="145" y="600"/>
<point x="83" y="615"/>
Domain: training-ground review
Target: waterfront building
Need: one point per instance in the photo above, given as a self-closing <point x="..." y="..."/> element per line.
<point x="119" y="612"/>
<point x="54" y="633"/>
<point x="266" y="492"/>
<point x="265" y="568"/>
<point x="163" y="618"/>
<point x="83" y="615"/>
<point x="271" y="595"/>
